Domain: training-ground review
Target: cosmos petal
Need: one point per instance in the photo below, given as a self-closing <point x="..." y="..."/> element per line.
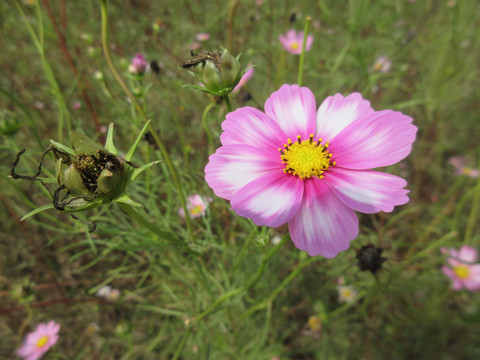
<point x="323" y="225"/>
<point x="293" y="108"/>
<point x="338" y="111"/>
<point x="467" y="254"/>
<point x="380" y="139"/>
<point x="234" y="166"/>
<point x="367" y="191"/>
<point x="272" y="199"/>
<point x="250" y="126"/>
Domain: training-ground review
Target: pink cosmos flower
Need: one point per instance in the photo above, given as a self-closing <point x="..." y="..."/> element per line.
<point x="293" y="41"/>
<point x="203" y="36"/>
<point x="462" y="271"/>
<point x="39" y="341"/>
<point x="245" y="79"/>
<point x="382" y="64"/>
<point x="460" y="167"/>
<point x="139" y="65"/>
<point x="196" y="206"/>
<point x="310" y="168"/>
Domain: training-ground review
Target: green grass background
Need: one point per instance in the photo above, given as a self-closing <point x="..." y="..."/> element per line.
<point x="51" y="266"/>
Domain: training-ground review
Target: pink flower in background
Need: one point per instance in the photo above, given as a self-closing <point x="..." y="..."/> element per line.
<point x="77" y="105"/>
<point x="462" y="271"/>
<point x="39" y="341"/>
<point x="460" y="167"/>
<point x="195" y="46"/>
<point x="139" y="65"/>
<point x="310" y="168"/>
<point x="203" y="36"/>
<point x="292" y="42"/>
<point x="196" y="206"/>
<point x="245" y="79"/>
<point x="382" y="64"/>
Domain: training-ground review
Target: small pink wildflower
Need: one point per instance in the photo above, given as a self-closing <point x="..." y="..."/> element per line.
<point x="203" y="36"/>
<point x="77" y="105"/>
<point x="138" y="65"/>
<point x="196" y="206"/>
<point x="293" y="41"/>
<point x="39" y="341"/>
<point x="316" y="181"/>
<point x="462" y="271"/>
<point x="382" y="64"/>
<point x="195" y="46"/>
<point x="346" y="294"/>
<point x="245" y="79"/>
<point x="109" y="293"/>
<point x="460" y="167"/>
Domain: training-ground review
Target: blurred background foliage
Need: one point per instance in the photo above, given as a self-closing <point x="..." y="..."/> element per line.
<point x="55" y="78"/>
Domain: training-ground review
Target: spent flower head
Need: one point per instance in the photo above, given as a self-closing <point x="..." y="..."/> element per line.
<point x="309" y="168"/>
<point x="39" y="341"/>
<point x="292" y="41"/>
<point x="463" y="270"/>
<point x="89" y="175"/>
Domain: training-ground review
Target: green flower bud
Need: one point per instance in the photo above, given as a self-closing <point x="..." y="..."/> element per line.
<point x="73" y="181"/>
<point x="219" y="72"/>
<point x="230" y="71"/>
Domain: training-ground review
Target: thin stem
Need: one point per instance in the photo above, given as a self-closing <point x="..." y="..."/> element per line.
<point x="302" y="55"/>
<point x="147" y="224"/>
<point x="152" y="131"/>
<point x="205" y="126"/>
<point x="226" y="98"/>
<point x="473" y="213"/>
<point x="252" y="283"/>
<point x="182" y="344"/>
<point x="279" y="288"/>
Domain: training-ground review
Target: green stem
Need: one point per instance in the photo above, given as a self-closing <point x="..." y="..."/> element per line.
<point x="182" y="344"/>
<point x="284" y="283"/>
<point x="302" y="55"/>
<point x="252" y="283"/>
<point x="472" y="219"/>
<point x="205" y="126"/>
<point x="226" y="98"/>
<point x="37" y="37"/>
<point x="139" y="108"/>
<point x="147" y="224"/>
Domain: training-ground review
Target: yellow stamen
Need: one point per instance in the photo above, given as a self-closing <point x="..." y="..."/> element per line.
<point x="306" y="158"/>
<point x="42" y="341"/>
<point x="196" y="210"/>
<point x="461" y="271"/>
<point x="294" y="46"/>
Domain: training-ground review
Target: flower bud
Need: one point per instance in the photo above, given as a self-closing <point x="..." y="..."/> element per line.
<point x="73" y="181"/>
<point x="219" y="72"/>
<point x="229" y="70"/>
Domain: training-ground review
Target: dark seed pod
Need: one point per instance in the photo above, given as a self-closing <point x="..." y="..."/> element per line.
<point x="370" y="258"/>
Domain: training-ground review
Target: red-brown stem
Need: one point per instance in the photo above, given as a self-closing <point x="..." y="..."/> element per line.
<point x="54" y="302"/>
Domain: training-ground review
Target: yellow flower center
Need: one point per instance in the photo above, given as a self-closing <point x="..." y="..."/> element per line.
<point x="461" y="271"/>
<point x="42" y="341"/>
<point x="306" y="158"/>
<point x="294" y="46"/>
<point x="196" y="210"/>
